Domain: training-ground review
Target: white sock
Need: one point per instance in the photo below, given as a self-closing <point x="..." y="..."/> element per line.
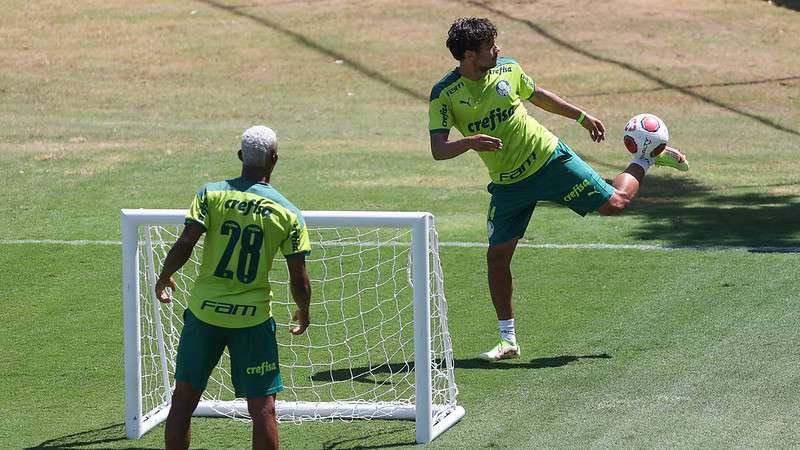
<point x="507" y="331"/>
<point x="641" y="162"/>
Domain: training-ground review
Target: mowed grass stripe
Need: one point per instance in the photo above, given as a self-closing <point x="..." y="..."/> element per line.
<point x="608" y="360"/>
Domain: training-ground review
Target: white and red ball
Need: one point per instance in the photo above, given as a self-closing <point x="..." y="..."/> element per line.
<point x="646" y="135"/>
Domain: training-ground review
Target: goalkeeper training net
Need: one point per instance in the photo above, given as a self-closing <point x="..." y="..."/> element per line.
<point x="378" y="345"/>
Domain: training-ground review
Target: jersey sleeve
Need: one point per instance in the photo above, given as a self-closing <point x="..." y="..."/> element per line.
<point x="198" y="210"/>
<point x="440" y="117"/>
<point x="526" y="85"/>
<point x="297" y="241"/>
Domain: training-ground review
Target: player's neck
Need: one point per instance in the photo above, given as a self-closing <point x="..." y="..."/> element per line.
<point x="257" y="174"/>
<point x="471" y="71"/>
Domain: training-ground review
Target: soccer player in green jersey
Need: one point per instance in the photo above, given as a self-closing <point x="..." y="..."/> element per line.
<point x="483" y="98"/>
<point x="246" y="222"/>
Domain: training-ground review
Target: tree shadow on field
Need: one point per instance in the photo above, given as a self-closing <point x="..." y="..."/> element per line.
<point x="664" y="84"/>
<point x="689" y="214"/>
<point x="779" y="80"/>
<point x="536" y="363"/>
<point x="89" y="439"/>
<point x="318" y="47"/>
<point x="378" y="76"/>
<point x="684" y="212"/>
<point x="791" y="4"/>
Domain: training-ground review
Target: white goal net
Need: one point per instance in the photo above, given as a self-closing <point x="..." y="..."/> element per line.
<point x="378" y="346"/>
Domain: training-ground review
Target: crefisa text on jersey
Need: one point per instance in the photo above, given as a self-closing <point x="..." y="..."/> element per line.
<point x="246" y="207"/>
<point x="495" y="117"/>
<point x="499" y="70"/>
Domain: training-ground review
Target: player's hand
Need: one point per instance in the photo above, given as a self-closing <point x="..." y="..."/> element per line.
<point x="484" y="143"/>
<point x="597" y="131"/>
<point x="161" y="285"/>
<point x="302" y="319"/>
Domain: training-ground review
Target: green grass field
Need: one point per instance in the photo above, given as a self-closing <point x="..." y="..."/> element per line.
<point x="111" y="104"/>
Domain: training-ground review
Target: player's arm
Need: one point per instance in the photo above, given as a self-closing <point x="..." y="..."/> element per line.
<point x="301" y="291"/>
<point x="176" y="258"/>
<point x="442" y="148"/>
<point x="551" y="102"/>
<point x="440" y="120"/>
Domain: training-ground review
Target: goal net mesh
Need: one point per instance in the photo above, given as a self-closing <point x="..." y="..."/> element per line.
<point x="358" y="350"/>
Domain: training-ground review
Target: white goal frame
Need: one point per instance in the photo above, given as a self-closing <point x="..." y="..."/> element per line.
<point x="422" y="411"/>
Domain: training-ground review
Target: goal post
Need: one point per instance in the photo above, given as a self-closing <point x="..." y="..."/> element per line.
<point x="378" y="346"/>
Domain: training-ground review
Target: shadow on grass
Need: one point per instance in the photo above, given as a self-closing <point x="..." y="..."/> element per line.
<point x="791" y="4"/>
<point x="114" y="434"/>
<point x="90" y="439"/>
<point x="684" y="212"/>
<point x="536" y="363"/>
<point x="319" y="47"/>
<point x="687" y="213"/>
<point x="395" y="431"/>
<point x="690" y="86"/>
<point x="664" y="84"/>
<point x="364" y="374"/>
<point x="368" y="374"/>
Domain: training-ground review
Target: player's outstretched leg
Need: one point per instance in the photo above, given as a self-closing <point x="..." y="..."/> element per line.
<point x="626" y="184"/>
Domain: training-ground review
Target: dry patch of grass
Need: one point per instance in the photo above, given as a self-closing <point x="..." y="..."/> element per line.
<point x="155" y="71"/>
<point x="475" y="182"/>
<point x="76" y="157"/>
<point x="74" y="146"/>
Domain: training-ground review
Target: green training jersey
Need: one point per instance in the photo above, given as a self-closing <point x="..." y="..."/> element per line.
<point x="493" y="106"/>
<point x="246" y="222"/>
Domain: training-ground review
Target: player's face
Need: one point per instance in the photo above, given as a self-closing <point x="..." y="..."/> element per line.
<point x="487" y="55"/>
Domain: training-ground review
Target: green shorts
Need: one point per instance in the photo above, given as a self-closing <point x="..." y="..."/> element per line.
<point x="253" y="351"/>
<point x="565" y="179"/>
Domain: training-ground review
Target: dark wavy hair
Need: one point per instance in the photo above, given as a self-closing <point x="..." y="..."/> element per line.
<point x="467" y="33"/>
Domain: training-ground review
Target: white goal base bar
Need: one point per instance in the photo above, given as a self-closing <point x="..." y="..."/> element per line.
<point x="290" y="410"/>
<point x="383" y="353"/>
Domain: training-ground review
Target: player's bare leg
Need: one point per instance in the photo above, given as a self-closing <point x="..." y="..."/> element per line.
<point x="501" y="288"/>
<point x="178" y="430"/>
<point x="498" y="261"/>
<point x="265" y="425"/>
<point x="626" y="184"/>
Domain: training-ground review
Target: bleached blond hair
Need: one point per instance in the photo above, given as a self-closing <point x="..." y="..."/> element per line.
<point x="258" y="145"/>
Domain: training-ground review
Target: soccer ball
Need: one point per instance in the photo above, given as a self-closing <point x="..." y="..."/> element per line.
<point x="646" y="136"/>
